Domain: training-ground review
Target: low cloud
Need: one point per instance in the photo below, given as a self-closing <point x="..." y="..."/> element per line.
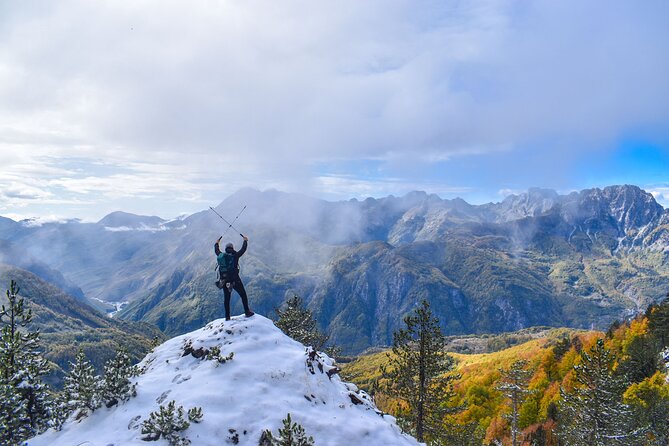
<point x="349" y="186"/>
<point x="661" y="195"/>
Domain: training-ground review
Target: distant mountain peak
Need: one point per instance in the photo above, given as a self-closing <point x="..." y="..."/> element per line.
<point x="120" y="219"/>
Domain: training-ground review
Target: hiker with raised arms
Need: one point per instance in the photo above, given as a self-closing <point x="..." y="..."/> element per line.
<point x="228" y="268"/>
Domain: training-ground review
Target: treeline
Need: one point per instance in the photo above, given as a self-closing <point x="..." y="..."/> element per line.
<point x="584" y="389"/>
<point x="28" y="406"/>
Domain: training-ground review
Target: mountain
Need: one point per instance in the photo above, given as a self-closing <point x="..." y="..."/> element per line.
<point x="66" y="323"/>
<point x="580" y="260"/>
<point x="269" y="376"/>
<point x="124" y="221"/>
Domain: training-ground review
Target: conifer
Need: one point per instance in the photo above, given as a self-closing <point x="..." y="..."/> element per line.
<point x="658" y="321"/>
<point x="513" y="385"/>
<point x="169" y="422"/>
<point x="593" y="413"/>
<point x="291" y="434"/>
<point x="83" y="388"/>
<point x="116" y="384"/>
<point x="296" y="321"/>
<point x="25" y="405"/>
<point x="415" y="374"/>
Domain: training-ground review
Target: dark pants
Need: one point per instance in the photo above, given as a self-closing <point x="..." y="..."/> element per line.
<point x="238" y="286"/>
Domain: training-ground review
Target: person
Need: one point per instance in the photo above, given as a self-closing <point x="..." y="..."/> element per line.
<point x="228" y="266"/>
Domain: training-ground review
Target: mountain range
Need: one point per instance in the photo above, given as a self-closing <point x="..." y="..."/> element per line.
<point x="537" y="258"/>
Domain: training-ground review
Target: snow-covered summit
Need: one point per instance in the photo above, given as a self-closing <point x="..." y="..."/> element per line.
<point x="269" y="376"/>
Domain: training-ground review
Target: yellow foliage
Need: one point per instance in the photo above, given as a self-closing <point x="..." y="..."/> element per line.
<point x="648" y="391"/>
<point x="636" y="329"/>
<point x="551" y="395"/>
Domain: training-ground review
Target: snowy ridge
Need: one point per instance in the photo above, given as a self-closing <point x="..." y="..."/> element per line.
<point x="269" y="375"/>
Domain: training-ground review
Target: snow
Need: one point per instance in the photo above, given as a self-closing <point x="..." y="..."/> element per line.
<point x="269" y="376"/>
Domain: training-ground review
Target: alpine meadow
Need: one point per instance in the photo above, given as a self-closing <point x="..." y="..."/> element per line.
<point x="303" y="223"/>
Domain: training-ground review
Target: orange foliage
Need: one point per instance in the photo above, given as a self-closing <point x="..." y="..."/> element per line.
<point x="498" y="430"/>
<point x="540" y="433"/>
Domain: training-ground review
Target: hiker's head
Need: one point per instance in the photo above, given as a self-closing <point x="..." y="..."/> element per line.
<point x="230" y="246"/>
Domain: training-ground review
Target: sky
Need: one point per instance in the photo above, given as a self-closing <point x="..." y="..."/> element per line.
<point x="167" y="107"/>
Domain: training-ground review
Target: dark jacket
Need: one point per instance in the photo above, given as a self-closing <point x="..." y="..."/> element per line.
<point x="236" y="254"/>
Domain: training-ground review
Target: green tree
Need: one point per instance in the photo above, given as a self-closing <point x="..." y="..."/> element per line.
<point x="416" y="374"/>
<point x="642" y="358"/>
<point x="116" y="384"/>
<point x="594" y="414"/>
<point x="658" y="321"/>
<point x="25" y="405"/>
<point x="83" y="388"/>
<point x="513" y="385"/>
<point x="292" y="434"/>
<point x="169" y="422"/>
<point x="296" y="321"/>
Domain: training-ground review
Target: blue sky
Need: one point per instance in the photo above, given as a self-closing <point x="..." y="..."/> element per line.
<point x="167" y="107"/>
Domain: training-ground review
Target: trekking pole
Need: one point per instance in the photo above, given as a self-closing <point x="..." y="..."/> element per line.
<point x="233" y="222"/>
<point x="229" y="224"/>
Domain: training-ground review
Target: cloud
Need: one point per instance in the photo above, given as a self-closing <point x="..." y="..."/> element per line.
<point x="347" y="186"/>
<point x="507" y="192"/>
<point x="189" y="100"/>
<point x="661" y="195"/>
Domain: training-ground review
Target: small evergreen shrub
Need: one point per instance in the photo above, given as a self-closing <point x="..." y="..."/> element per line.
<point x="195" y="414"/>
<point x="169" y="423"/>
<point x="83" y="388"/>
<point x="116" y="385"/>
<point x="215" y="355"/>
<point x="292" y="434"/>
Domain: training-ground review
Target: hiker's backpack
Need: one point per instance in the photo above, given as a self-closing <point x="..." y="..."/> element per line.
<point x="226" y="265"/>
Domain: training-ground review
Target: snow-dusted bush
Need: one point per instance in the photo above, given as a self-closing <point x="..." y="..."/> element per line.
<point x="215" y="355"/>
<point x="169" y="423"/>
<point x="117" y="386"/>
<point x="292" y="434"/>
<point x="83" y="388"/>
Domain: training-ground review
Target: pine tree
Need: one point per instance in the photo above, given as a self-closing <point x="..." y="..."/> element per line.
<point x="292" y="434"/>
<point x="513" y="385"/>
<point x="14" y="422"/>
<point x="593" y="414"/>
<point x="24" y="399"/>
<point x="116" y="384"/>
<point x="296" y="321"/>
<point x="169" y="422"/>
<point x="83" y="388"/>
<point x="415" y="374"/>
<point x="658" y="321"/>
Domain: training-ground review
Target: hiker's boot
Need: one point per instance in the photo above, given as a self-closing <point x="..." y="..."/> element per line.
<point x="249" y="313"/>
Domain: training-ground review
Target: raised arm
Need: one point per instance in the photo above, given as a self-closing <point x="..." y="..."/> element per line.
<point x="217" y="250"/>
<point x="244" y="246"/>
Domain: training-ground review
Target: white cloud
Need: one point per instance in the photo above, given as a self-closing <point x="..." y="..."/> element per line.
<point x="189" y="100"/>
<point x="661" y="195"/>
<point x="506" y="192"/>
